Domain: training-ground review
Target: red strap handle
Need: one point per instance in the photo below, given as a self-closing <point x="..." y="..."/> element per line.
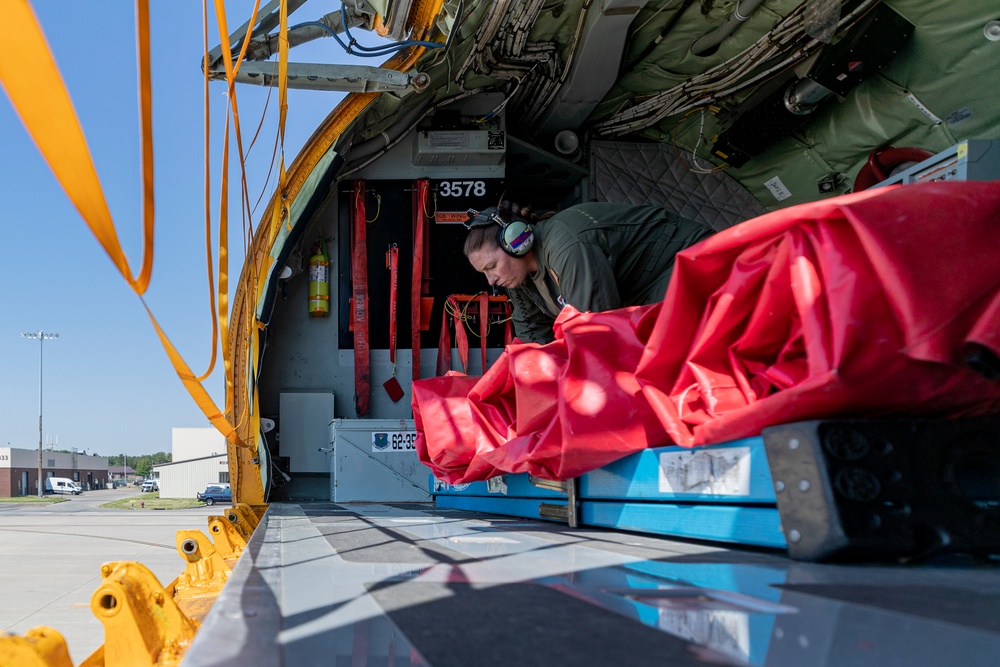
<point x="501" y="306"/>
<point x="419" y="205"/>
<point x="484" y="324"/>
<point x="392" y="261"/>
<point x="461" y="338"/>
<point x="359" y="279"/>
<point x="508" y="331"/>
<point x="444" y="343"/>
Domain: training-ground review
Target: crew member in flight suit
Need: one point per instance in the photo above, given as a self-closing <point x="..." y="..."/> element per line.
<point x="596" y="256"/>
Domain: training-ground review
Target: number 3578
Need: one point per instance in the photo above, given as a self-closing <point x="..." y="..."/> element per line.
<point x="462" y="188"/>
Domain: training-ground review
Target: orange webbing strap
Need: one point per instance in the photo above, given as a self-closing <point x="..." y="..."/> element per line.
<point x="452" y="308"/>
<point x="39" y="95"/>
<point x="444" y="340"/>
<point x="231" y="69"/>
<point x="461" y="338"/>
<point x="36" y="90"/>
<point x="418" y="202"/>
<point x="193" y="386"/>
<point x="484" y="325"/>
<point x="508" y="331"/>
<point x="359" y="279"/>
<point x="146" y="127"/>
<point x="457" y="306"/>
<point x="208" y="198"/>
<point x="220" y="321"/>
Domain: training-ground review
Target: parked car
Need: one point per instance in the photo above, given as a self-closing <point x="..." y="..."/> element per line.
<point x="62" y="485"/>
<point x="216" y="494"/>
<point x="150" y="485"/>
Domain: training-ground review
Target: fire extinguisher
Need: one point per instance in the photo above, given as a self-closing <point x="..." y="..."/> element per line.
<point x="319" y="281"/>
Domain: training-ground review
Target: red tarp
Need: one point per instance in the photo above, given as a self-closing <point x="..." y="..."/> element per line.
<point x="862" y="305"/>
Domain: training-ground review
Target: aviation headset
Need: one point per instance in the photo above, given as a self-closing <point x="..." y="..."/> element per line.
<point x="515" y="237"/>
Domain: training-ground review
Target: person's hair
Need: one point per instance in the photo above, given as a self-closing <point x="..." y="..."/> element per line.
<point x="479" y="238"/>
<point x="486" y="235"/>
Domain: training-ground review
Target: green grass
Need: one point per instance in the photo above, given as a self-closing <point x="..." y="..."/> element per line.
<point x="152" y="501"/>
<point x="34" y="499"/>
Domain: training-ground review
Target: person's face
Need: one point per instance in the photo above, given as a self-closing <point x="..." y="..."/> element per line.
<point x="500" y="269"/>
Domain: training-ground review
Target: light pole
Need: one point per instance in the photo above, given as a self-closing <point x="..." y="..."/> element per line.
<point x="41" y="337"/>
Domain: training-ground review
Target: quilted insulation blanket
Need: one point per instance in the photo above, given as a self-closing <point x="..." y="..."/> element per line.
<point x="886" y="302"/>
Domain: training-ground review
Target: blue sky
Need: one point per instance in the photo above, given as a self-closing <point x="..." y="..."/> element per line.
<point x="108" y="386"/>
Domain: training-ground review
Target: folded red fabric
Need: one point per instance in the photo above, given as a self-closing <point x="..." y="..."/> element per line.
<point x="865" y="305"/>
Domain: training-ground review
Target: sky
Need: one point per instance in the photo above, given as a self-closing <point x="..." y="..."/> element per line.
<point x="108" y="386"/>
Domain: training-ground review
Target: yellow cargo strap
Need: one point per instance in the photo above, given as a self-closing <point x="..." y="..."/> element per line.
<point x="39" y="95"/>
<point x="37" y="92"/>
<point x="231" y="71"/>
<point x="208" y="195"/>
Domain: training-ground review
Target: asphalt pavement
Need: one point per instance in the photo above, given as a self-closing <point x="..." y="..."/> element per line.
<point x="51" y="557"/>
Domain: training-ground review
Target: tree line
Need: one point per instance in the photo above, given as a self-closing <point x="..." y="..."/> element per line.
<point x="143" y="465"/>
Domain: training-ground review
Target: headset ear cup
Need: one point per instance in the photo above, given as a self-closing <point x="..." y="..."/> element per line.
<point x="516" y="238"/>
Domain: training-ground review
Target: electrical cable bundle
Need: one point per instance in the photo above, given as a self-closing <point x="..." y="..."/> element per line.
<point x="731" y="77"/>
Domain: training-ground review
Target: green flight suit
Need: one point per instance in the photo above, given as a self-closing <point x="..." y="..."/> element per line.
<point x="600" y="256"/>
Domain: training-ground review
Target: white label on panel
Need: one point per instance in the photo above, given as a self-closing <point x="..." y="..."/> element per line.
<point x="448" y="139"/>
<point x="394" y="441"/>
<point x="717" y="472"/>
<point x="496" y="485"/>
<point x="924" y="110"/>
<point x="959" y="116"/>
<point x="777" y="189"/>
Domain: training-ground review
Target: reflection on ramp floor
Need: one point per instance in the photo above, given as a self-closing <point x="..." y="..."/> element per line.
<point x="369" y="584"/>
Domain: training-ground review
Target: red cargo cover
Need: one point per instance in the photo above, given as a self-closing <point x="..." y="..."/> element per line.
<point x="865" y="305"/>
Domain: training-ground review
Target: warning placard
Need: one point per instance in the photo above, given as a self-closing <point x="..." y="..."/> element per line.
<point x="451" y="217"/>
<point x="718" y="472"/>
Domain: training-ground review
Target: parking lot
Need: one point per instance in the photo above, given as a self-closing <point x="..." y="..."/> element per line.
<point x="51" y="557"/>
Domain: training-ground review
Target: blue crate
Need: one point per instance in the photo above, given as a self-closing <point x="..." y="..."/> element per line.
<point x="757" y="526"/>
<point x="732" y="472"/>
<point x="509" y="485"/>
<point x="528" y="508"/>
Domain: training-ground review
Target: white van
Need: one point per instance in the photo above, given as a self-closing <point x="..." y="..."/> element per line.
<point x="62" y="485"/>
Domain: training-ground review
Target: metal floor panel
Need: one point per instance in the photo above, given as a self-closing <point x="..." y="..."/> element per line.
<point x="370" y="584"/>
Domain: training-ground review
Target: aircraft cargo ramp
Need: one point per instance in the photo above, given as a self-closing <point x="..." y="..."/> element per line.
<point x="414" y="584"/>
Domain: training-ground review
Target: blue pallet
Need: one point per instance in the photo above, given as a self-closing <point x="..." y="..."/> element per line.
<point x="632" y="590"/>
<point x="757" y="526"/>
<point x="697" y="493"/>
<point x="514" y="486"/>
<point x="528" y="508"/>
<point x="732" y="472"/>
<point x="758" y="581"/>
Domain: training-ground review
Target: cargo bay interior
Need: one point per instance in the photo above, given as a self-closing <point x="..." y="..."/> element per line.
<point x="307" y="376"/>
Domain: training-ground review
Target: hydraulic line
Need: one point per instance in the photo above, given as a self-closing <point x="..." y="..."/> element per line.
<point x="544" y="102"/>
<point x="262" y="48"/>
<point x="725" y="80"/>
<point x="712" y="80"/>
<point x="705" y="44"/>
<point x="663" y="32"/>
<point x="502" y="51"/>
